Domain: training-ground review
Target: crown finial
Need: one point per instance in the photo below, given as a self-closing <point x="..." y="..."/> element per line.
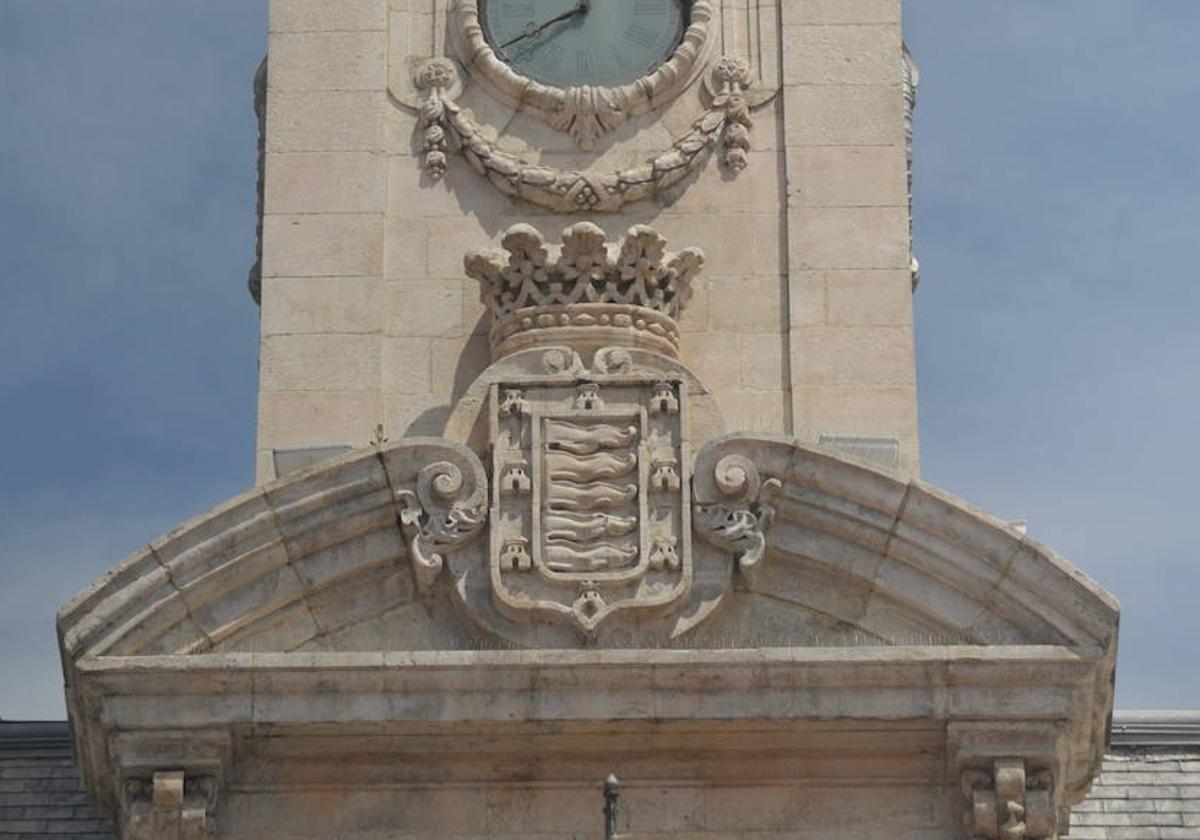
<point x="586" y="293"/>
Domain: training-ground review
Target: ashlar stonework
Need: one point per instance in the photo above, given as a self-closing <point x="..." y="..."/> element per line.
<point x="587" y="445"/>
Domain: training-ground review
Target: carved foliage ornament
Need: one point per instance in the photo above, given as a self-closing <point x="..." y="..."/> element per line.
<point x="725" y="122"/>
<point x="170" y="806"/>
<point x="739" y="524"/>
<point x="1007" y="803"/>
<point x="439" y="516"/>
<point x="584" y="289"/>
<point x="586" y="112"/>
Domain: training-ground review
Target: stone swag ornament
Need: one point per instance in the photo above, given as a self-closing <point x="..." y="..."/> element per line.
<point x="724" y="124"/>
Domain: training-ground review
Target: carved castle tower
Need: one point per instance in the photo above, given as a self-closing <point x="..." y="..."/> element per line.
<point x="587" y="444"/>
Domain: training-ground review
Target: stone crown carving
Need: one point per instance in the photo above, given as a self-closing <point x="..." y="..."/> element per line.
<point x="582" y="294"/>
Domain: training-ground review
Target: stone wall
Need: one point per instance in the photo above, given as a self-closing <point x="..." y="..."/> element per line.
<point x="803" y="324"/>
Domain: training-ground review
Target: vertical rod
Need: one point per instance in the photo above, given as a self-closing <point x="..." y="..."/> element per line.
<point x="612" y="792"/>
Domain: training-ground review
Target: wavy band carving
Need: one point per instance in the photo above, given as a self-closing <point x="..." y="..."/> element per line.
<point x="725" y="122"/>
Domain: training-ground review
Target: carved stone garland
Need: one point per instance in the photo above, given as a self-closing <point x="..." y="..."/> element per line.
<point x="585" y="112"/>
<point x="725" y="122"/>
<point x="1009" y="804"/>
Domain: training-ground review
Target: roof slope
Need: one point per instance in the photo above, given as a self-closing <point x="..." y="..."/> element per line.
<point x="41" y="795"/>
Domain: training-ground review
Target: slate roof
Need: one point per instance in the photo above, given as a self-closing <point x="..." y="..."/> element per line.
<point x="41" y="797"/>
<point x="1149" y="787"/>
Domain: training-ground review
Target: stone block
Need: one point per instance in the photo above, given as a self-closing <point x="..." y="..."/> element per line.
<point x="406" y="249"/>
<point x="319" y="362"/>
<point x="863" y="54"/>
<point x="842" y="11"/>
<point x="320" y="305"/>
<point x="407" y="365"/>
<point x="853" y="356"/>
<point x="432" y="308"/>
<point x="849" y="237"/>
<point x="457" y="362"/>
<point x="289" y="419"/>
<point x="323" y="16"/>
<point x="763" y="361"/>
<point x="325" y="121"/>
<point x="325" y="182"/>
<point x="325" y="245"/>
<point x="747" y="304"/>
<point x="855" y="298"/>
<point x="843" y="115"/>
<point x="341" y="60"/>
<point x="848" y="176"/>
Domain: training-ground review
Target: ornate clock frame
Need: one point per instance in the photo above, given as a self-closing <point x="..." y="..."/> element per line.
<point x="586" y="112"/>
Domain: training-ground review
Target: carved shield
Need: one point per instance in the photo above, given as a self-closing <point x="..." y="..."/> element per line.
<point x="591" y="509"/>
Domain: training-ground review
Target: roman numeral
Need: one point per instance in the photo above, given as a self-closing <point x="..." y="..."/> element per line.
<point x="550" y="55"/>
<point x="649" y="7"/>
<point x="583" y="61"/>
<point x="517" y="10"/>
<point x="641" y="34"/>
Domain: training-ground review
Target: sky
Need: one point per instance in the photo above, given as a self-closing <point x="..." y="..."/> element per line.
<point x="1057" y="220"/>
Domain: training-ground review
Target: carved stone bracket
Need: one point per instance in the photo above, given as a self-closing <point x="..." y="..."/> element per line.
<point x="725" y="122"/>
<point x="170" y="806"/>
<point x="740" y="524"/>
<point x="1008" y="802"/>
<point x="438" y="518"/>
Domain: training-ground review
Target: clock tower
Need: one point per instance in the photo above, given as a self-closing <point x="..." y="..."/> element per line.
<point x="587" y="449"/>
<point x="401" y="135"/>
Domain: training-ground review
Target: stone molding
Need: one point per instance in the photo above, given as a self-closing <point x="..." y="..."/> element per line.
<point x="584" y="112"/>
<point x="171" y="805"/>
<point x="581" y="294"/>
<point x="725" y="122"/>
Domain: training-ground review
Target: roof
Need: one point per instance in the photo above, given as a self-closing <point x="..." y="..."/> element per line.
<point x="1149" y="784"/>
<point x="1148" y="789"/>
<point x="41" y="796"/>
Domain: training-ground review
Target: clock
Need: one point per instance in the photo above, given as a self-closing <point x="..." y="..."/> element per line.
<point x="570" y="43"/>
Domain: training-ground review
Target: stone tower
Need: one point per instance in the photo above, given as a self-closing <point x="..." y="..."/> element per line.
<point x="797" y="192"/>
<point x="587" y="445"/>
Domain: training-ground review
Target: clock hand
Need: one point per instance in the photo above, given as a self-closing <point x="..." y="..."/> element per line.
<point x="581" y="8"/>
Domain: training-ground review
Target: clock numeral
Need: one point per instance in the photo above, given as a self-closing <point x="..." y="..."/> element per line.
<point x="550" y="55"/>
<point x="649" y="7"/>
<point x="621" y="59"/>
<point x="517" y="10"/>
<point x="583" y="62"/>
<point x="641" y="34"/>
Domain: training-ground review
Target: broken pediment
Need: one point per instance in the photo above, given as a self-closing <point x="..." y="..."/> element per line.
<point x="815" y="551"/>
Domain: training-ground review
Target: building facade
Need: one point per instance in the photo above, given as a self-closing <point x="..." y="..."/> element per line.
<point x="587" y="445"/>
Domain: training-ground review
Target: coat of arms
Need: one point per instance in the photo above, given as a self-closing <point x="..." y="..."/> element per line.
<point x="590" y="502"/>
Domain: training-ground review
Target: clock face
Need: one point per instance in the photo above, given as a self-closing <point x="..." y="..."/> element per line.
<point x="584" y="42"/>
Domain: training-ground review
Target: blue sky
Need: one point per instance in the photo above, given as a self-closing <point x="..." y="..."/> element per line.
<point x="1057" y="222"/>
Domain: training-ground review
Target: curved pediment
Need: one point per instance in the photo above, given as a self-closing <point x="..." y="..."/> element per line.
<point x="325" y="561"/>
<point x="900" y="560"/>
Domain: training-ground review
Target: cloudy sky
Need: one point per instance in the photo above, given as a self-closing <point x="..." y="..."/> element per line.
<point x="1057" y="223"/>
